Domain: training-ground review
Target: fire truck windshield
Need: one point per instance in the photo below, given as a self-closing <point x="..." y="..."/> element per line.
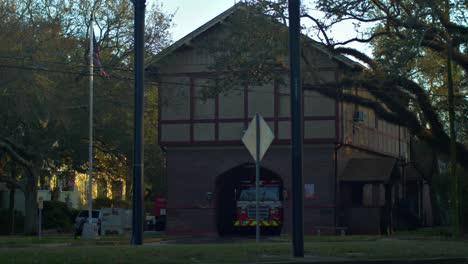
<point x="266" y="193"/>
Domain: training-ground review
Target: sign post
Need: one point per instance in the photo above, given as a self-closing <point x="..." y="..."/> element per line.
<point x="257" y="139"/>
<point x="296" y="126"/>
<point x="40" y="206"/>
<point x="257" y="176"/>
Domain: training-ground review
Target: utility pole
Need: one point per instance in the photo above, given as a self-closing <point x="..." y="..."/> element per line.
<point x="137" y="201"/>
<point x="296" y="127"/>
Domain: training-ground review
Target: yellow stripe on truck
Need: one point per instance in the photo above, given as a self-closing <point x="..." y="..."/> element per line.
<point x="253" y="223"/>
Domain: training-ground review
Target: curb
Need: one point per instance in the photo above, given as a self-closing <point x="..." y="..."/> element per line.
<point x="381" y="261"/>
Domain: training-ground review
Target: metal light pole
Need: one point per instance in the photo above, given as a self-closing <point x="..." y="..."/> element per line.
<point x="91" y="110"/>
<point x="296" y="127"/>
<point x="137" y="201"/>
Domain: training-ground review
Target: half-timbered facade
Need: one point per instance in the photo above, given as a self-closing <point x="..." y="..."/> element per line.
<point x="351" y="173"/>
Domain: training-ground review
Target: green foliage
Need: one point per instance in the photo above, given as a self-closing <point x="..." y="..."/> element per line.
<point x="407" y="71"/>
<point x="243" y="53"/>
<point x="102" y="202"/>
<point x="56" y="215"/>
<point x="44" y="82"/>
<point x="154" y="164"/>
<point x="127" y="204"/>
<point x="105" y="202"/>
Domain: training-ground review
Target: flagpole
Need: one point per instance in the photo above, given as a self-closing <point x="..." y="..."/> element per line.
<point x="91" y="91"/>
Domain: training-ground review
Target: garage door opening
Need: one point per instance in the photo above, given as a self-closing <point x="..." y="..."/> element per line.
<point x="236" y="201"/>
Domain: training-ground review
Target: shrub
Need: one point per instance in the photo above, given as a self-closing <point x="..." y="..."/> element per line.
<point x="56" y="215"/>
<point x="102" y="202"/>
<point x="5" y="228"/>
<point x="122" y="204"/>
<point x="108" y="203"/>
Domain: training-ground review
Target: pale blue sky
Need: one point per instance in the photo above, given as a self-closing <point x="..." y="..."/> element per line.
<point x="190" y="14"/>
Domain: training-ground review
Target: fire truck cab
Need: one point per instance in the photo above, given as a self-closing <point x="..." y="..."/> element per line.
<point x="270" y="206"/>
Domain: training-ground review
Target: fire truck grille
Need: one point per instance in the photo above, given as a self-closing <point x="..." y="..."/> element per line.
<point x="263" y="212"/>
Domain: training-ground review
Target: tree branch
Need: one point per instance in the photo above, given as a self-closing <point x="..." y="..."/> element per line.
<point x="398" y="114"/>
<point x="358" y="55"/>
<point x="12" y="182"/>
<point x="6" y="146"/>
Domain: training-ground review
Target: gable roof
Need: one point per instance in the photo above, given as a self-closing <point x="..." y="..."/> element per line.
<point x="222" y="17"/>
<point x="197" y="32"/>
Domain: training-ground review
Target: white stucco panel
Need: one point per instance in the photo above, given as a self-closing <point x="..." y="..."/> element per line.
<point x="175" y="99"/>
<point x="319" y="129"/>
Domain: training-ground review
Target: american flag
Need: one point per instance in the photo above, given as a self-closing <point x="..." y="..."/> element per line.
<point x="96" y="60"/>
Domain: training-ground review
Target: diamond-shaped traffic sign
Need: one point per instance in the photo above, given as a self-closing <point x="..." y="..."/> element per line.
<point x="250" y="140"/>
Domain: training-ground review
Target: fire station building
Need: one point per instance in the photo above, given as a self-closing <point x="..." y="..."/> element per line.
<point x="352" y="174"/>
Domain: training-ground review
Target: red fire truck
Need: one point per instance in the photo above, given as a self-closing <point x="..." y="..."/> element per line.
<point x="270" y="206"/>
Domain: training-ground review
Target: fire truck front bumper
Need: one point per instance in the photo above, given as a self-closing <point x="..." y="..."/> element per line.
<point x="252" y="223"/>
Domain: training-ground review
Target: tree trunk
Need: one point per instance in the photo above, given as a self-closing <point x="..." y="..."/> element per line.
<point x="30" y="203"/>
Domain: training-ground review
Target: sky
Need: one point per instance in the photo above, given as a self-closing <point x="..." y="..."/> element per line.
<point x="191" y="14"/>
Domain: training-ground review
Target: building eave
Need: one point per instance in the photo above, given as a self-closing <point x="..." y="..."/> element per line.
<point x="187" y="40"/>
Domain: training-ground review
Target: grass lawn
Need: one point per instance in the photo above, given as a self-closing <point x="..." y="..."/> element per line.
<point x="69" y="239"/>
<point x="246" y="252"/>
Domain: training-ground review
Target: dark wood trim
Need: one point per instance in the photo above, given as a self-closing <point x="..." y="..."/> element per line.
<point x="191" y="207"/>
<point x="307" y="141"/>
<point x="245" y="120"/>
<point x="239" y="142"/>
<point x="368" y="150"/>
<point x="276" y="108"/>
<point x="209" y="120"/>
<point x="159" y="112"/>
<point x="192" y="108"/>
<point x="216" y="118"/>
<point x="319" y="118"/>
<point x="337" y="110"/>
<point x="216" y="74"/>
<point x="246" y="105"/>
<point x="191" y="74"/>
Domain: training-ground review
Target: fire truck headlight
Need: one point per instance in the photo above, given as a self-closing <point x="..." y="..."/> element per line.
<point x="274" y="210"/>
<point x="242" y="210"/>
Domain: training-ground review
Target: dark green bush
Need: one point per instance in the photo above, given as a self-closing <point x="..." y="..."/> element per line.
<point x="56" y="215"/>
<point x="122" y="204"/>
<point x="99" y="203"/>
<point x="5" y="227"/>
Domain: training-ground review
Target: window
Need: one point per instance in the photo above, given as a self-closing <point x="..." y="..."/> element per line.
<point x="356" y="194"/>
<point x="367" y="192"/>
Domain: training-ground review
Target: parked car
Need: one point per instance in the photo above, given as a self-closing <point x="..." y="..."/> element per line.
<point x="82" y="217"/>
